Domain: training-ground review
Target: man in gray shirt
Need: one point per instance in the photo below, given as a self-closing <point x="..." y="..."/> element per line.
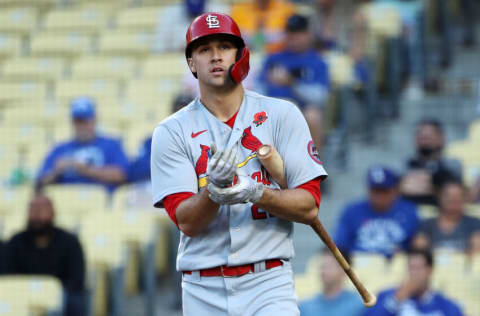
<point x="451" y="229"/>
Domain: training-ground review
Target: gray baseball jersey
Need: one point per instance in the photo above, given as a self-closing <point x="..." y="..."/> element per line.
<point x="241" y="233"/>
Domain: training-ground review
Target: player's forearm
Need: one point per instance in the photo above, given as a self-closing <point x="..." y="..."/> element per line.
<point x="196" y="213"/>
<point x="296" y="205"/>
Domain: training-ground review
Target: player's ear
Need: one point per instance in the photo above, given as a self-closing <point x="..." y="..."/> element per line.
<point x="191" y="65"/>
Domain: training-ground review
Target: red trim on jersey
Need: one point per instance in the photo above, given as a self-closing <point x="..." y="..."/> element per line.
<point x="313" y="186"/>
<point x="172" y="201"/>
<point x="231" y="121"/>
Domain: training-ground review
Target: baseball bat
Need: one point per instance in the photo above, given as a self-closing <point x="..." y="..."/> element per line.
<point x="272" y="161"/>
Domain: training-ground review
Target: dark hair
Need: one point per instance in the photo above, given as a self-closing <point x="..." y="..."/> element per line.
<point x="431" y="122"/>
<point x="450" y="182"/>
<point x="344" y="252"/>
<point x="426" y="253"/>
<point x="297" y="23"/>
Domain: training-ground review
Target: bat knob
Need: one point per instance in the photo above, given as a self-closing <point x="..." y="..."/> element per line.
<point x="371" y="301"/>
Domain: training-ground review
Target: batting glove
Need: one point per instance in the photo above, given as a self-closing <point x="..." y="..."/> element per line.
<point x="222" y="166"/>
<point x="245" y="190"/>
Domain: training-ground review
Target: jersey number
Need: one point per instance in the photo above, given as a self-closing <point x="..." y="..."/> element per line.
<point x="260" y="176"/>
<point x="259" y="214"/>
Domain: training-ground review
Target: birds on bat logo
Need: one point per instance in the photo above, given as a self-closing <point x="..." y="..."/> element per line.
<point x="259" y="118"/>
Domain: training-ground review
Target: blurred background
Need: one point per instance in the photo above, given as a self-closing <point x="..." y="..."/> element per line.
<point x="391" y="92"/>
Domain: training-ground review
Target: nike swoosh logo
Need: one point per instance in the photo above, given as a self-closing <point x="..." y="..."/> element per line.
<point x="198" y="133"/>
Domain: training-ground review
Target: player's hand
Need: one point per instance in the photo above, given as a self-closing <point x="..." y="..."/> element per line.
<point x="245" y="190"/>
<point x="222" y="166"/>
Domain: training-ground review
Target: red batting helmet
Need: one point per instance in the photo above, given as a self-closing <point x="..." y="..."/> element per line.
<point x="212" y="23"/>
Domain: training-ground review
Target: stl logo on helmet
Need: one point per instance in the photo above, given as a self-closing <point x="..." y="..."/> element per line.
<point x="212" y="21"/>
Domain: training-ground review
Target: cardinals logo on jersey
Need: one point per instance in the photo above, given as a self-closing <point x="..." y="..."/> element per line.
<point x="251" y="142"/>
<point x="260" y="118"/>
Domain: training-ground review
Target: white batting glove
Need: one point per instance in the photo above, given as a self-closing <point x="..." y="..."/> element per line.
<point x="222" y="166"/>
<point x="245" y="190"/>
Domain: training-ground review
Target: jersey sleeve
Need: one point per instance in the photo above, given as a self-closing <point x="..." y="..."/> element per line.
<point x="171" y="169"/>
<point x="295" y="145"/>
<point x="313" y="187"/>
<point x="172" y="201"/>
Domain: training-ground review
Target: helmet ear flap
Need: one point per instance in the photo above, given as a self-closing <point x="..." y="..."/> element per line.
<point x="239" y="71"/>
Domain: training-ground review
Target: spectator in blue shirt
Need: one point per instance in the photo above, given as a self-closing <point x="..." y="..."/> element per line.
<point x="383" y="223"/>
<point x="88" y="158"/>
<point x="299" y="74"/>
<point x="414" y="296"/>
<point x="334" y="300"/>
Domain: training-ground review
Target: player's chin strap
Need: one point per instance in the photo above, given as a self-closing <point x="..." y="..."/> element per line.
<point x="239" y="70"/>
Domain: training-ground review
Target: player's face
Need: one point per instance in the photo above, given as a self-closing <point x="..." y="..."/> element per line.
<point x="452" y="200"/>
<point x="211" y="60"/>
<point x="84" y="129"/>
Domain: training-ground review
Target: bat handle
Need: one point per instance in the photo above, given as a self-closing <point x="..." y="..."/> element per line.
<point x="368" y="298"/>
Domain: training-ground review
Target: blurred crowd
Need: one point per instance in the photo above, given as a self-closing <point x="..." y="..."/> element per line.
<point x="327" y="56"/>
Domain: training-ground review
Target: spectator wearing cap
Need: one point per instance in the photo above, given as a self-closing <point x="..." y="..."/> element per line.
<point x="88" y="158"/>
<point x="415" y="296"/>
<point x="299" y="74"/>
<point x="176" y="18"/>
<point x="383" y="223"/>
<point x="335" y="299"/>
<point x="428" y="170"/>
<point x="263" y="23"/>
<point x="451" y="229"/>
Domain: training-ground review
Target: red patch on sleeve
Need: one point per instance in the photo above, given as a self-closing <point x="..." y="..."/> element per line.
<point x="172" y="201"/>
<point x="313" y="186"/>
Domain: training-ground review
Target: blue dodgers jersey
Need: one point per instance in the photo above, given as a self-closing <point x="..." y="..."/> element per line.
<point x="101" y="151"/>
<point x="307" y="68"/>
<point x="431" y="304"/>
<point x="361" y="228"/>
<point x="240" y="233"/>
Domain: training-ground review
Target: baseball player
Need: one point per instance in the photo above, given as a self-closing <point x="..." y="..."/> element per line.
<point x="235" y="221"/>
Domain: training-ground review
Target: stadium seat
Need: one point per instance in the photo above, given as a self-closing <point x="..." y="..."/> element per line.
<point x="143" y="18"/>
<point x="171" y="65"/>
<point x="67" y="45"/>
<point x="40" y="4"/>
<point x="368" y="267"/>
<point x="14" y="202"/>
<point x="340" y="68"/>
<point x="41" y="294"/>
<point x="383" y="19"/>
<point x="13" y="307"/>
<point x="33" y="69"/>
<point x="107" y="257"/>
<point x="80" y="199"/>
<point x="426" y="211"/>
<point x="10" y="45"/>
<point x="449" y="266"/>
<point x="82" y="21"/>
<point x="23" y="90"/>
<point x="104" y="68"/>
<point x="474" y="132"/>
<point x="398" y="268"/>
<point x="99" y="88"/>
<point x="18" y="20"/>
<point x="126" y="43"/>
